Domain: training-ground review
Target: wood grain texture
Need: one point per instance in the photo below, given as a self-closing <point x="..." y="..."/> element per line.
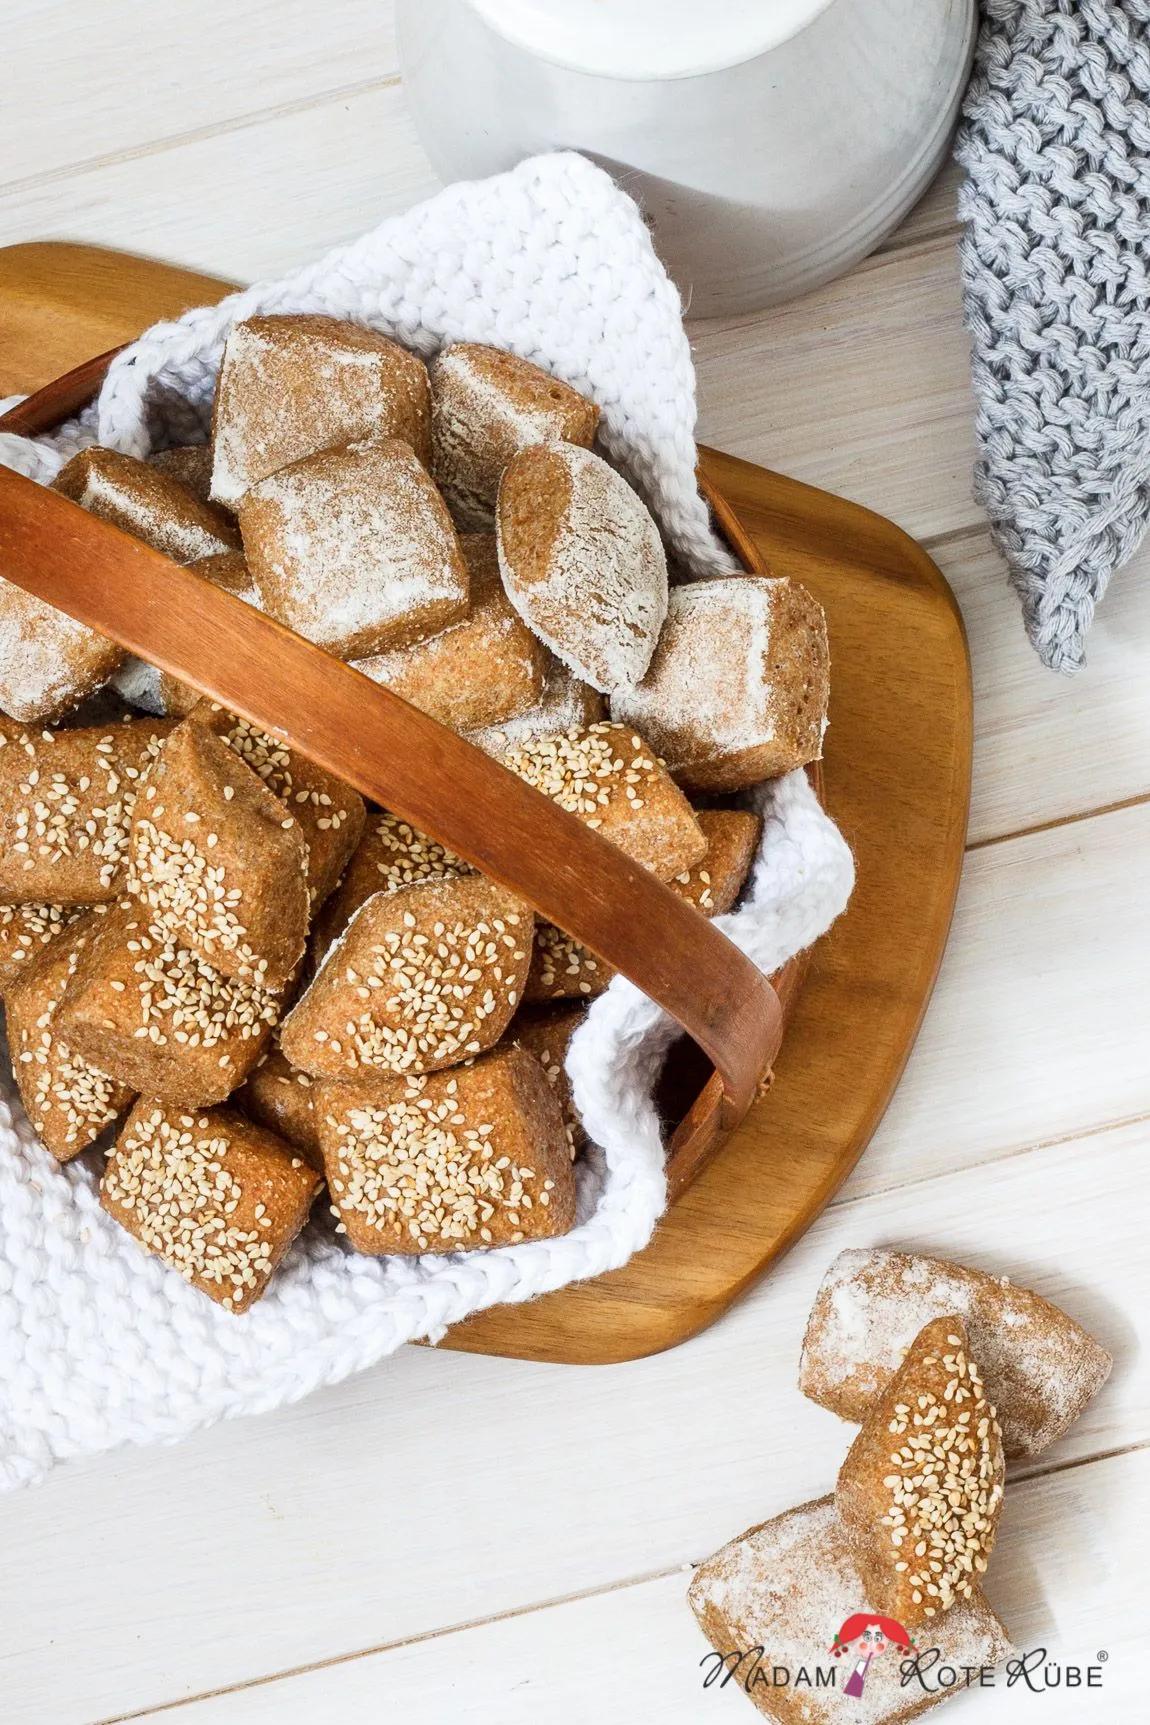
<point x="198" y="74"/>
<point x="298" y="181"/>
<point x="1045" y="747"/>
<point x="635" y="1653"/>
<point x="887" y="607"/>
<point x="1041" y="963"/>
<point x="862" y="387"/>
<point x="438" y="1489"/>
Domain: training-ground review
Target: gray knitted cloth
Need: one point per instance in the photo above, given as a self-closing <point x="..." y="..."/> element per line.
<point x="1055" y="141"/>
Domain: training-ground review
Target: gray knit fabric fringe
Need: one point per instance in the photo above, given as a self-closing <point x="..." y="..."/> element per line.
<point x="1055" y="141"/>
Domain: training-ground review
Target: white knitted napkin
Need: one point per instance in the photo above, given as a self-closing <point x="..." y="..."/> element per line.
<point x="1055" y="142"/>
<point x="100" y="1344"/>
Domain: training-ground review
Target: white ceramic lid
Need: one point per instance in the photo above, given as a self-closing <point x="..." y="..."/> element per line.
<point x="647" y="38"/>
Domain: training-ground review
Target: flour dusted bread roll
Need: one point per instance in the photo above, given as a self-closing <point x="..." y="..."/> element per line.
<point x="190" y="463"/>
<point x="148" y="503"/>
<point x="483" y="670"/>
<point x="485" y="406"/>
<point x="353" y="547"/>
<point x="291" y="385"/>
<point x="48" y="662"/>
<point x="583" y="562"/>
<point x="1041" y="1368"/>
<point x="737" y="689"/>
<point x="458" y="1161"/>
<point x="920" y="1491"/>
<point x="792" y="1587"/>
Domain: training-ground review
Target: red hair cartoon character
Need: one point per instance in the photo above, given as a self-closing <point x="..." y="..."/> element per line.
<point x="870" y="1636"/>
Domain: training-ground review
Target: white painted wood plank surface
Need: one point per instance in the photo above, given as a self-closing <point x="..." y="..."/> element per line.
<point x="125" y="76"/>
<point x="862" y="387"/>
<point x="1048" y="747"/>
<point x="444" y="1489"/>
<point x="1041" y="1018"/>
<point x="243" y="202"/>
<point x="635" y="1653"/>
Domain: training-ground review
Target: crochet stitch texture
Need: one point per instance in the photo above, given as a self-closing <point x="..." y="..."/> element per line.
<point x="1055" y="142"/>
<point x="101" y="1344"/>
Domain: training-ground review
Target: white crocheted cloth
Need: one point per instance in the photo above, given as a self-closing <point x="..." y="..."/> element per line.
<point x="100" y="1344"/>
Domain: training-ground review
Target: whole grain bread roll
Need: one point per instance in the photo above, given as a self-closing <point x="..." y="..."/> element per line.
<point x="790" y="1592"/>
<point x="582" y="562"/>
<point x="486" y="405"/>
<point x="920" y="1492"/>
<point x="353" y="547"/>
<point x="291" y="385"/>
<point x="737" y="689"/>
<point x="1041" y="1368"/>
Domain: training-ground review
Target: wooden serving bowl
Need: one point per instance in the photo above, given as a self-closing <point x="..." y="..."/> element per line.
<point x="423" y="772"/>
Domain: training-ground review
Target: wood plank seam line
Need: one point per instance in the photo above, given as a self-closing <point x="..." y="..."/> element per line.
<point x="623" y="1585"/>
<point x="1100" y="1128"/>
<point x="1116" y="808"/>
<point x="337" y="1659"/>
<point x="918" y="247"/>
<point x="200" y="134"/>
<point x="1053" y="1468"/>
<point x="933" y="542"/>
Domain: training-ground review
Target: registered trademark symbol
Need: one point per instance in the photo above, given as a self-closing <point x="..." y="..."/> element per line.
<point x="1103" y="1657"/>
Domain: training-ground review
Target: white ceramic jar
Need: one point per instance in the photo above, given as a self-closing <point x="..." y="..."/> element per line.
<point x="772" y="143"/>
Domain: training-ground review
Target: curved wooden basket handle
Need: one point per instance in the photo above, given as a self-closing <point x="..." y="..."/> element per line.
<point x="395" y="754"/>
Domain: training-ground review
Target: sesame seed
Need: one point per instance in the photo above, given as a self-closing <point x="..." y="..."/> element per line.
<point x="172" y="1176"/>
<point x="405" y="1171"/>
<point x="944" y="1488"/>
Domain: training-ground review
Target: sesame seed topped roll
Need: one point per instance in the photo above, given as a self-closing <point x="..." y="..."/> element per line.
<point x="68" y="1101"/>
<point x="217" y="1199"/>
<point x="160" y="1018"/>
<point x="422" y="977"/>
<point x="920" y="1491"/>
<point x="460" y="1160"/>
<point x="66" y="805"/>
<point x="219" y="861"/>
<point x="609" y="777"/>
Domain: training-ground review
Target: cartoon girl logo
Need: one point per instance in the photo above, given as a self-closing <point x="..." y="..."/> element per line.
<point x="869" y="1636"/>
